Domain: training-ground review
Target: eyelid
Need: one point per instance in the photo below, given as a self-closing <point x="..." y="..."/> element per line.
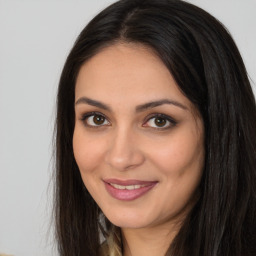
<point x="172" y="121"/>
<point x="89" y="114"/>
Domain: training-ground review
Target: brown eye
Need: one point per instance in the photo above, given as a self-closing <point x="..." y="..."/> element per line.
<point x="96" y="120"/>
<point x="160" y="122"/>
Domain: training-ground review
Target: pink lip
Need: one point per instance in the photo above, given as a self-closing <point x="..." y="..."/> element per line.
<point x="125" y="194"/>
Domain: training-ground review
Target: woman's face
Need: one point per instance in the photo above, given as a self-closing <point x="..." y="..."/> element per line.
<point x="138" y="141"/>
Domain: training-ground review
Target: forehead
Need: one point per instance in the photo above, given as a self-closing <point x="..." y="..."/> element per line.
<point x="128" y="71"/>
<point x="121" y="60"/>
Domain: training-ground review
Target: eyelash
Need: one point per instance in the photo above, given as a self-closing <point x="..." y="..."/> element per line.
<point x="171" y="121"/>
<point x="86" y="116"/>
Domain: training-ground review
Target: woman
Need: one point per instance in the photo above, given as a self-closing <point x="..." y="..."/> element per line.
<point x="155" y="137"/>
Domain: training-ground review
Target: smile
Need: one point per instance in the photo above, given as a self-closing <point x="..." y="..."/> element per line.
<point x="130" y="187"/>
<point x="128" y="190"/>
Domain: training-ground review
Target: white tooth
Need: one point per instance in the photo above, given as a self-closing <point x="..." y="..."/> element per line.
<point x="130" y="187"/>
<point x="117" y="186"/>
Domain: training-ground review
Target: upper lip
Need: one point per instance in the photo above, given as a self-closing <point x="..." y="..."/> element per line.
<point x="128" y="182"/>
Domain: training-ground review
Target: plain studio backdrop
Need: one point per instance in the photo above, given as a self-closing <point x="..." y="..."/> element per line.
<point x="36" y="36"/>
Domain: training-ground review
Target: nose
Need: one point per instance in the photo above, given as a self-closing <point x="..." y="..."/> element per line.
<point x="124" y="151"/>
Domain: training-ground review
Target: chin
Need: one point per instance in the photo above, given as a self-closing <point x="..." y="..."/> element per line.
<point x="124" y="220"/>
<point x="129" y="224"/>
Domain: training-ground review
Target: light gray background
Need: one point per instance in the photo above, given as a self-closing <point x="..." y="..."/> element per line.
<point x="35" y="38"/>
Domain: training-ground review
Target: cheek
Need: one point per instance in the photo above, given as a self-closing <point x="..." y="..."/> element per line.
<point x="87" y="151"/>
<point x="180" y="162"/>
<point x="178" y="155"/>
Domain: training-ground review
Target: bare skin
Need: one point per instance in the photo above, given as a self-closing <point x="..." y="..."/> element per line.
<point x="152" y="241"/>
<point x="139" y="145"/>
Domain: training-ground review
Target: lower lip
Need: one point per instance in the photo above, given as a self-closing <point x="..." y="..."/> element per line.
<point x="128" y="195"/>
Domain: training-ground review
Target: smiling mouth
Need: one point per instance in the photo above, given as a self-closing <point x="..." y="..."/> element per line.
<point x="130" y="187"/>
<point x="128" y="190"/>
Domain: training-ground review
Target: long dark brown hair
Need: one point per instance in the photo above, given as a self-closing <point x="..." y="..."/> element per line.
<point x="206" y="64"/>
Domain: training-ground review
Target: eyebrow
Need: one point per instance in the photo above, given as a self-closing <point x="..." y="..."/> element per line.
<point x="139" y="108"/>
<point x="157" y="103"/>
<point x="95" y="103"/>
